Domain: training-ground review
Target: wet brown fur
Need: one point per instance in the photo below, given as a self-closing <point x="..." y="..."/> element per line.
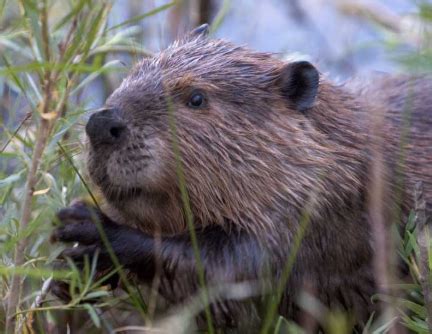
<point x="253" y="163"/>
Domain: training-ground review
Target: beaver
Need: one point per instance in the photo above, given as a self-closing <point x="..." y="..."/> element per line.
<point x="248" y="147"/>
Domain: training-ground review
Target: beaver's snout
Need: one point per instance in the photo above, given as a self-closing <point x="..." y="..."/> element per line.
<point x="106" y="127"/>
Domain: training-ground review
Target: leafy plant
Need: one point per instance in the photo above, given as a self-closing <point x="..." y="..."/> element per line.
<point x="51" y="52"/>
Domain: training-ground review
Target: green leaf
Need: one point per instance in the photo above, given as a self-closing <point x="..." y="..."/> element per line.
<point x="385" y="327"/>
<point x="411" y="244"/>
<point x="415" y="324"/>
<point x="93" y="315"/>
<point x="97" y="294"/>
<point x="32" y="13"/>
<point x="411" y="221"/>
<point x="105" y="68"/>
<point x="71" y="15"/>
<point x="10" y="179"/>
<point x="416" y="308"/>
<point x="10" y="43"/>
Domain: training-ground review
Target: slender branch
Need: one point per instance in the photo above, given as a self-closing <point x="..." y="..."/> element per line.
<point x="42" y="136"/>
<point x="41" y="140"/>
<point x="44" y="130"/>
<point x="47" y="51"/>
<point x="44" y="31"/>
<point x="19" y="258"/>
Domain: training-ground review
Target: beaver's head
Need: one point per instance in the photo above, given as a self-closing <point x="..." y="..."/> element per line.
<point x="237" y="117"/>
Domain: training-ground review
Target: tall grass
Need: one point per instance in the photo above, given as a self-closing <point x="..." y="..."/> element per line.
<point x="51" y="52"/>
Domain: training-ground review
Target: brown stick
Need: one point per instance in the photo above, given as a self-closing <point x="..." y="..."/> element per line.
<point x="43" y="134"/>
<point x="15" y="288"/>
<point x="41" y="140"/>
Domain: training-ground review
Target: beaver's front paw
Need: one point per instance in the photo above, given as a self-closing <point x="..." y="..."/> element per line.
<point x="77" y="224"/>
<point x="93" y="233"/>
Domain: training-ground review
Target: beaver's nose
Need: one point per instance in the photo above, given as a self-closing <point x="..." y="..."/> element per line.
<point x="106" y="127"/>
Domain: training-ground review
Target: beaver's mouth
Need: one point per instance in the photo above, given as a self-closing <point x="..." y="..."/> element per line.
<point x="112" y="191"/>
<point x="116" y="193"/>
<point x="125" y="173"/>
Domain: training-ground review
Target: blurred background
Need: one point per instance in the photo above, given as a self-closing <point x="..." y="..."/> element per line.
<point x="343" y="37"/>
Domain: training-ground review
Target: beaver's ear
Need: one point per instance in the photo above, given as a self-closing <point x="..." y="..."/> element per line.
<point x="203" y="30"/>
<point x="299" y="82"/>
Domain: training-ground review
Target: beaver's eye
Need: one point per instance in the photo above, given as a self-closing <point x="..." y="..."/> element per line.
<point x="196" y="100"/>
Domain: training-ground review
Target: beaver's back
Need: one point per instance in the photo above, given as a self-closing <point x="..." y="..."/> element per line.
<point x="406" y="102"/>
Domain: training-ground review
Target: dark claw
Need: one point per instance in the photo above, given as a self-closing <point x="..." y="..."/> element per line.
<point x="77" y="225"/>
<point x="79" y="211"/>
<point x="84" y="232"/>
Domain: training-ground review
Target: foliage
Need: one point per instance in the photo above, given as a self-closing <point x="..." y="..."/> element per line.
<point x="51" y="52"/>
